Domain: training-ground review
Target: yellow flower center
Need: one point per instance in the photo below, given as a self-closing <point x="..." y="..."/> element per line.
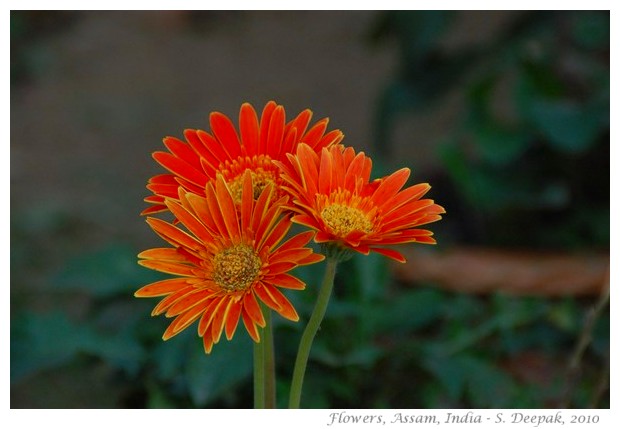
<point x="260" y="179"/>
<point x="261" y="168"/>
<point x="343" y="219"/>
<point x="236" y="268"/>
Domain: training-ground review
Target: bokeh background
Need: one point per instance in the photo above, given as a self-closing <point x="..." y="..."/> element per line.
<point x="505" y="113"/>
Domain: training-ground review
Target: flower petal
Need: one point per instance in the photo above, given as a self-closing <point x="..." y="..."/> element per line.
<point x="251" y="307"/>
<point x="207" y="343"/>
<point x="406" y="196"/>
<point x="168" y="267"/>
<point x="390" y="253"/>
<point x="227" y="208"/>
<point x="249" y="128"/>
<point x="233" y="318"/>
<point x="297" y="241"/>
<point x="214" y="146"/>
<point x="200" y="208"/>
<point x="276" y="301"/>
<point x="193" y="224"/>
<point x="312" y="137"/>
<point x="311" y="259"/>
<point x="287" y="281"/>
<point x="183" y="321"/>
<point x="265" y="121"/>
<point x="219" y="320"/>
<point x="292" y="255"/>
<point x="173" y="235"/>
<point x="198" y="145"/>
<point x="276" y="233"/>
<point x="205" y="326"/>
<point x="182" y="150"/>
<point x="180" y="168"/>
<point x="247" y="203"/>
<point x="300" y="123"/>
<point x="216" y="211"/>
<point x="163" y="254"/>
<point x="276" y="132"/>
<point x="225" y="132"/>
<point x="197" y="297"/>
<point x="250" y="326"/>
<point x="161" y="288"/>
<point x="390" y="186"/>
<point x="326" y="169"/>
<point x="170" y="299"/>
<point x="281" y="267"/>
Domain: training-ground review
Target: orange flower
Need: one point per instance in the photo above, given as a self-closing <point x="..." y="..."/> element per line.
<point x="225" y="260"/>
<point x="195" y="162"/>
<point x="332" y="194"/>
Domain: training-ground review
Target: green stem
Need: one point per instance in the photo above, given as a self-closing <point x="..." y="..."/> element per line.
<point x="269" y="362"/>
<point x="264" y="366"/>
<point x="309" y="333"/>
<point x="259" y="375"/>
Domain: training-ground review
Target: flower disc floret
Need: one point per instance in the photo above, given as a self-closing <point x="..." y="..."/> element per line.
<point x="236" y="268"/>
<point x="342" y="220"/>
<point x="262" y="170"/>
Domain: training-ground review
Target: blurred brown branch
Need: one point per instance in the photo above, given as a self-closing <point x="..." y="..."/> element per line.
<point x="485" y="270"/>
<point x="574" y="366"/>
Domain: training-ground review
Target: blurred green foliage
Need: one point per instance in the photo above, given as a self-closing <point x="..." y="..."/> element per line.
<point x="528" y="161"/>
<point x="381" y="344"/>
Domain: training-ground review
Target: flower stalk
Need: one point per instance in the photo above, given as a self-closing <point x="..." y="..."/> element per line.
<point x="310" y="332"/>
<point x="259" y="375"/>
<point x="264" y="366"/>
<point x="269" y="361"/>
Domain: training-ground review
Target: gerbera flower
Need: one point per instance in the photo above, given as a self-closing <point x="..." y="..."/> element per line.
<point x="332" y="194"/>
<point x="195" y="162"/>
<point x="226" y="260"/>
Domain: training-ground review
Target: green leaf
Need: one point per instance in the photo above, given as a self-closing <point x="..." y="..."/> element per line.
<point x="480" y="380"/>
<point x="537" y="80"/>
<point x="120" y="351"/>
<point x="470" y="180"/>
<point x="373" y="274"/>
<point x="170" y="357"/>
<point x="568" y="126"/>
<point x="498" y="144"/>
<point x="158" y="398"/>
<point x="41" y="342"/>
<point x="487" y="385"/>
<point x="565" y="315"/>
<point x="317" y="389"/>
<point x="409" y="311"/>
<point x="364" y="356"/>
<point x="209" y="376"/>
<point x="110" y="271"/>
<point x="455" y="161"/>
<point x="449" y="372"/>
<point x="591" y="29"/>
